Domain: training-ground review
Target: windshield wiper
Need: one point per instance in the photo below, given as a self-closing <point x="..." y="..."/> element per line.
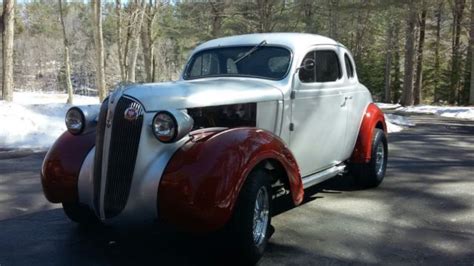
<point x="251" y="51"/>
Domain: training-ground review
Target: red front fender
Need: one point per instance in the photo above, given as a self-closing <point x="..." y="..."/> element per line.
<point x="203" y="179"/>
<point x="62" y="165"/>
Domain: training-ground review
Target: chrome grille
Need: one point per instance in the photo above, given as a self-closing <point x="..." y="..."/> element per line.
<point x="99" y="143"/>
<point x="125" y="137"/>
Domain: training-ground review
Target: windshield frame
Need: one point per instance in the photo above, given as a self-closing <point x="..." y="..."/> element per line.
<point x="191" y="59"/>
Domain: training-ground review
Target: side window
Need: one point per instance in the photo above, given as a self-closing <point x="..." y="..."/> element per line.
<point x="327" y="66"/>
<point x="307" y="75"/>
<point x="349" y="67"/>
<point x="206" y="64"/>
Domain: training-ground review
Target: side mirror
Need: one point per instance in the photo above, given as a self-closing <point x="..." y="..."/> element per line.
<point x="308" y="64"/>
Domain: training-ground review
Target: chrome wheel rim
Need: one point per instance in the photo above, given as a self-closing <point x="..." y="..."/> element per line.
<point x="260" y="216"/>
<point x="379" y="159"/>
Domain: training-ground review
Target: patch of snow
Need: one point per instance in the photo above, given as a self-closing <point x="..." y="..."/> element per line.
<point x="388" y="106"/>
<point x="392" y="128"/>
<point x="399" y="120"/>
<point x="35" y="120"/>
<point x="444" y="111"/>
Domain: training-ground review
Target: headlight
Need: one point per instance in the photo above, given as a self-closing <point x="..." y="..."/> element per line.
<point x="82" y="119"/>
<point x="170" y="126"/>
<point x="165" y="127"/>
<point x="75" y="121"/>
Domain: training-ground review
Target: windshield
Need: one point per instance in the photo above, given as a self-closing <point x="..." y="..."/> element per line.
<point x="263" y="62"/>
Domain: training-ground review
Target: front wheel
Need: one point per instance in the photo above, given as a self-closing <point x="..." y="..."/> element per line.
<point x="371" y="174"/>
<point x="250" y="224"/>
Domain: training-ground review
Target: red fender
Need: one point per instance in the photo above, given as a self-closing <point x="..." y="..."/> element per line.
<point x="373" y="116"/>
<point x="202" y="181"/>
<point x="62" y="164"/>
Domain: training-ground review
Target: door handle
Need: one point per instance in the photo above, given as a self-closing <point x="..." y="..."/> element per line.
<point x="346" y="98"/>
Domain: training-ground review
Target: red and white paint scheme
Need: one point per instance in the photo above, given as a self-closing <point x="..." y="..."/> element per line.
<point x="253" y="118"/>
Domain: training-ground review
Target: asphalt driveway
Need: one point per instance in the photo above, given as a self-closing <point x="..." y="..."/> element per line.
<point x="423" y="213"/>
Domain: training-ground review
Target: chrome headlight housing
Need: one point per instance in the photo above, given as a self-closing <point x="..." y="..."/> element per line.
<point x="81" y="119"/>
<point x="75" y="121"/>
<point x="171" y="126"/>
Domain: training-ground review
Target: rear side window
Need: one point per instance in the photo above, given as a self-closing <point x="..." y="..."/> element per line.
<point x="349" y="66"/>
<point x="327" y="67"/>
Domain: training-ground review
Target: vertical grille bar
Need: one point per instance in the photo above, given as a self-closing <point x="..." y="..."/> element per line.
<point x="99" y="148"/>
<point x="123" y="151"/>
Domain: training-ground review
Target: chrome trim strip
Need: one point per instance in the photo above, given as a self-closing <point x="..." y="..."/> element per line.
<point x="319" y="177"/>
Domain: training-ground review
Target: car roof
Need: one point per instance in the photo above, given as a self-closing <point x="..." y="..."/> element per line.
<point x="294" y="41"/>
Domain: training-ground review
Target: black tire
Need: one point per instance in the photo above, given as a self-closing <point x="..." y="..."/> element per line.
<point x="80" y="214"/>
<point x="371" y="174"/>
<point x="250" y="250"/>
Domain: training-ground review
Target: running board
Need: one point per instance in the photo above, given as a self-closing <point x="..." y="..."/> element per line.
<point x="317" y="178"/>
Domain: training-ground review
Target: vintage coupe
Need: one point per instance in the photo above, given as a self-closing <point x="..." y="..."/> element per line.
<point x="253" y="118"/>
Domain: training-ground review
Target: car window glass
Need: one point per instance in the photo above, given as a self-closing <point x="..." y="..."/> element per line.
<point x="231" y="66"/>
<point x="349" y="67"/>
<point x="327" y="66"/>
<point x="266" y="62"/>
<point x="206" y="64"/>
<point x="278" y="64"/>
<point x="307" y="75"/>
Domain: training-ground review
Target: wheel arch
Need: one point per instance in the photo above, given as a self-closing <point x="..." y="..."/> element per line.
<point x="372" y="118"/>
<point x="202" y="181"/>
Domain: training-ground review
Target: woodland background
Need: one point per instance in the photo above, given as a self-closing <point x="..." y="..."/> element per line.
<point x="408" y="52"/>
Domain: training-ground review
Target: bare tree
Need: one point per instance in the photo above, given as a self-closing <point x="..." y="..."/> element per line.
<point x="137" y="21"/>
<point x="148" y="37"/>
<point x="407" y="97"/>
<point x="7" y="41"/>
<point x="419" y="61"/>
<point x="471" y="49"/>
<point x="437" y="72"/>
<point x="333" y="6"/>
<point x="67" y="63"/>
<point x="388" y="63"/>
<point x="458" y="11"/>
<point x="99" y="48"/>
<point x="122" y="59"/>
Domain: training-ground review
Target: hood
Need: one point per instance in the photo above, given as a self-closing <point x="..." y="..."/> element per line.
<point x="203" y="92"/>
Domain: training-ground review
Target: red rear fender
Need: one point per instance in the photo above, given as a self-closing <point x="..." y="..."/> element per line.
<point x="372" y="119"/>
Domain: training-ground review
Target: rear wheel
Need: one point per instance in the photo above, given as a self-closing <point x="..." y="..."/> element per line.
<point x="371" y="174"/>
<point x="80" y="214"/>
<point x="250" y="225"/>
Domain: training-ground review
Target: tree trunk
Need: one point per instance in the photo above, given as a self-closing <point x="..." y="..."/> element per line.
<point x="333" y="6"/>
<point x="388" y="64"/>
<point x="135" y="41"/>
<point x="7" y="41"/>
<point x="436" y="78"/>
<point x="407" y="97"/>
<point x="471" y="49"/>
<point x="148" y="41"/>
<point x="419" y="63"/>
<point x="396" y="84"/>
<point x="67" y="63"/>
<point x="455" y="62"/>
<point x="122" y="64"/>
<point x="99" y="48"/>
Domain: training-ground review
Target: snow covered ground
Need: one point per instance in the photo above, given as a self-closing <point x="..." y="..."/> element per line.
<point x="35" y="120"/>
<point x="445" y="111"/>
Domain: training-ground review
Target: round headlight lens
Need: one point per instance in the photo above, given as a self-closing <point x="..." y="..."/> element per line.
<point x="75" y="121"/>
<point x="164" y="127"/>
